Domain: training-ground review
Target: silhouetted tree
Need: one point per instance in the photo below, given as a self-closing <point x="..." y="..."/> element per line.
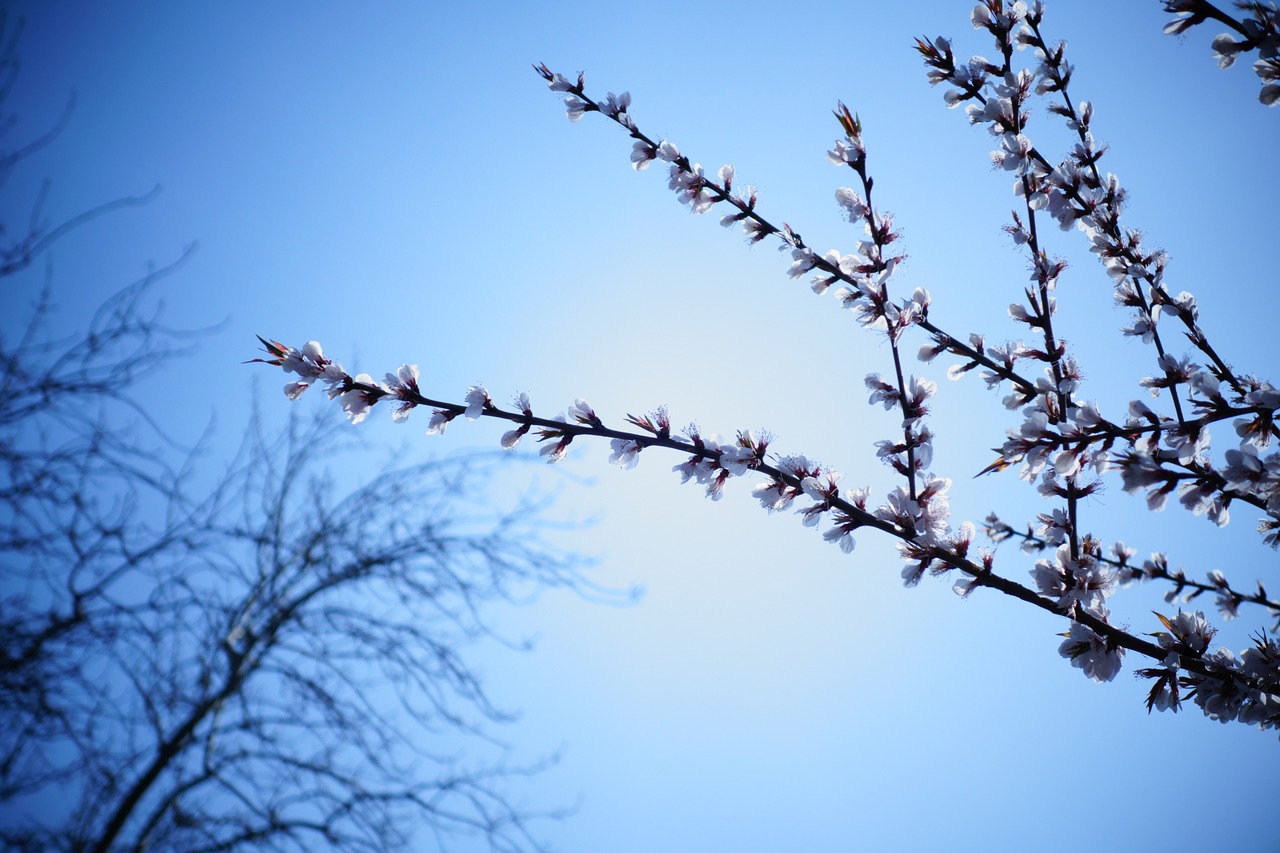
<point x="272" y="660"/>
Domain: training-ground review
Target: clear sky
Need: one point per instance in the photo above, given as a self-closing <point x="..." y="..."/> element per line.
<point x="394" y="181"/>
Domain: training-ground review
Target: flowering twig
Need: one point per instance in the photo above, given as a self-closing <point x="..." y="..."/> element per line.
<point x="701" y="192"/>
<point x="1063" y="443"/>
<point x="1260" y="28"/>
<point x="920" y="524"/>
<point x="1075" y="193"/>
<point x="1155" y="567"/>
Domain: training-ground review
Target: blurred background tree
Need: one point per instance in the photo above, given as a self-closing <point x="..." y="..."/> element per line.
<point x="269" y="657"/>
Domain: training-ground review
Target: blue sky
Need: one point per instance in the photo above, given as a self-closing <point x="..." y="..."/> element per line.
<point x="396" y="183"/>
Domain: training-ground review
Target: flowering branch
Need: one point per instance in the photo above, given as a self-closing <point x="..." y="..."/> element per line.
<point x="1204" y="489"/>
<point x="1063" y="443"/>
<point x="701" y="192"/>
<point x="1156" y="567"/>
<point x="1260" y="28"/>
<point x="1075" y="193"/>
<point x="920" y="523"/>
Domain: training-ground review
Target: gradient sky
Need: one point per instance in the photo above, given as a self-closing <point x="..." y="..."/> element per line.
<point x="396" y="183"/>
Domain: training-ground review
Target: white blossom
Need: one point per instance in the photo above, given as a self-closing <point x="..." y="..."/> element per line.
<point x="626" y="452"/>
<point x="403" y="385"/>
<point x="1090" y="652"/>
<point x="356" y="402"/>
<point x="477" y="400"/>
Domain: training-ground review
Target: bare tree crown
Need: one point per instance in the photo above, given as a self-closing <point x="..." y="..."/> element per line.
<point x="266" y="659"/>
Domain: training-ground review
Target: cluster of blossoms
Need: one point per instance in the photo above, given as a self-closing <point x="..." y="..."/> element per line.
<point x="1048" y="531"/>
<point x="1257" y="29"/>
<point x="1240" y="689"/>
<point x="1063" y="444"/>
